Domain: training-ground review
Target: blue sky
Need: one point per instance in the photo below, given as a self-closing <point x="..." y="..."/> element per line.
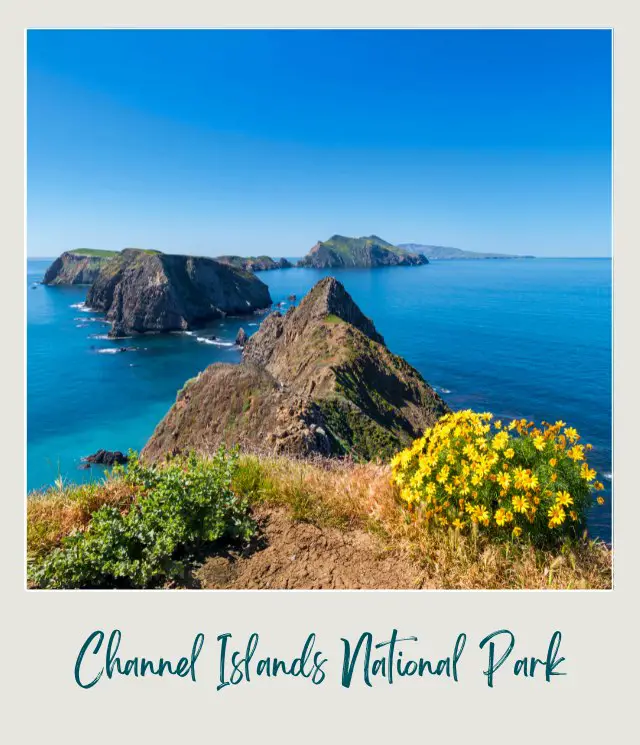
<point x="248" y="142"/>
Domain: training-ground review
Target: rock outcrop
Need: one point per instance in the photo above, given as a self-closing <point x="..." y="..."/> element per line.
<point x="366" y="252"/>
<point x="241" y="337"/>
<point x="79" y="267"/>
<point x="106" y="457"/>
<point x="255" y="263"/>
<point x="317" y="380"/>
<point x="142" y="291"/>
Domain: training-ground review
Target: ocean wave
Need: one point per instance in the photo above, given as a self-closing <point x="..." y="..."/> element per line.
<point x="252" y="324"/>
<point x="108" y="351"/>
<point x="608" y="476"/>
<point x="215" y="342"/>
<point x="83" y="308"/>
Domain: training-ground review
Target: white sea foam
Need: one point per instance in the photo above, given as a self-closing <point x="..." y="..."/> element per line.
<point x="215" y="342"/>
<point x="99" y="336"/>
<point x="82" y="307"/>
<point x="108" y="351"/>
<point x="607" y="476"/>
<point x="252" y="324"/>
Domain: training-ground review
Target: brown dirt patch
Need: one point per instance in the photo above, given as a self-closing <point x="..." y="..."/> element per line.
<point x="297" y="555"/>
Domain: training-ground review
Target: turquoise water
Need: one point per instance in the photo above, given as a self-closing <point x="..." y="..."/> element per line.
<point x="519" y="338"/>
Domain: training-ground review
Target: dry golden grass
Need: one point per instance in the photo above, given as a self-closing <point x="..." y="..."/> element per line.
<point x="57" y="512"/>
<point x="345" y="494"/>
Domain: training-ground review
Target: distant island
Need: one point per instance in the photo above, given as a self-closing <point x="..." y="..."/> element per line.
<point x="254" y="263"/>
<point x="448" y="252"/>
<point x="366" y="252"/>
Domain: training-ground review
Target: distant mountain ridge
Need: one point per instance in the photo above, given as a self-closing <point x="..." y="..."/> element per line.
<point x="366" y="252"/>
<point x="448" y="252"/>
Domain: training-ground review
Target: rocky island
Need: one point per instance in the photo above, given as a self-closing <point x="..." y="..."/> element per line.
<point x="142" y="291"/>
<point x="254" y="263"/>
<point x="317" y="380"/>
<point x="77" y="267"/>
<point x="366" y="252"/>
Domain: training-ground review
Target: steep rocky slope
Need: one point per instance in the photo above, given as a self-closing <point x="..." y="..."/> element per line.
<point x="318" y="380"/>
<point x="144" y="291"/>
<point x="371" y="251"/>
<point x="255" y="263"/>
<point x="79" y="267"/>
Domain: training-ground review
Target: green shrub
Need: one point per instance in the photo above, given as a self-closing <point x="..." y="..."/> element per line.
<point x="182" y="506"/>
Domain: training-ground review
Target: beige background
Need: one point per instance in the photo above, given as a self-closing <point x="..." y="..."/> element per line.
<point x="44" y="631"/>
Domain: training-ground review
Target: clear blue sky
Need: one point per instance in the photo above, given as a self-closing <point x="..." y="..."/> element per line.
<point x="249" y="142"/>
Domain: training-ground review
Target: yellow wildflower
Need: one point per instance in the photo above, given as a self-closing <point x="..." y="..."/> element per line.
<point x="576" y="452"/>
<point x="556" y="515"/>
<point x="517" y="531"/>
<point x="509" y="453"/>
<point x="600" y="500"/>
<point x="443" y="475"/>
<point x="500" y="517"/>
<point x="571" y="434"/>
<point x="504" y="480"/>
<point x="588" y="474"/>
<point x="564" y="499"/>
<point x="538" y="442"/>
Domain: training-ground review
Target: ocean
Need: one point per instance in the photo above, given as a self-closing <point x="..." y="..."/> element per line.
<point x="523" y="338"/>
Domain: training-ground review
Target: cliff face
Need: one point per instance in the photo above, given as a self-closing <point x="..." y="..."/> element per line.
<point x="254" y="263"/>
<point x="76" y="267"/>
<point x="318" y="380"/>
<point x="144" y="291"/>
<point x="368" y="252"/>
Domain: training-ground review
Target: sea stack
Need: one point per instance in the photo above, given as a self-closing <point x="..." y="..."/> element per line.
<point x="142" y="291"/>
<point x="317" y="380"/>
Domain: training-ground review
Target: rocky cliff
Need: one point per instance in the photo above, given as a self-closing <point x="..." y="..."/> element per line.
<point x="143" y="291"/>
<point x="79" y="267"/>
<point x="318" y="380"/>
<point x="255" y="263"/>
<point x="340" y="251"/>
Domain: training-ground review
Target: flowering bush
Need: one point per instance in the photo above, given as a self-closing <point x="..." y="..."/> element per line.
<point x="510" y="481"/>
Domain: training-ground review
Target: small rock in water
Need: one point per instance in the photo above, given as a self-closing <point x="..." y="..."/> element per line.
<point x="105" y="458"/>
<point x="241" y="338"/>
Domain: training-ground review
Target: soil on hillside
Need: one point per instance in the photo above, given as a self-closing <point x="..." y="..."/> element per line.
<point x="290" y="554"/>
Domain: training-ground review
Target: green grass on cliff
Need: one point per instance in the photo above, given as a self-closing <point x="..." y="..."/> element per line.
<point x="93" y="252"/>
<point x="347" y="246"/>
